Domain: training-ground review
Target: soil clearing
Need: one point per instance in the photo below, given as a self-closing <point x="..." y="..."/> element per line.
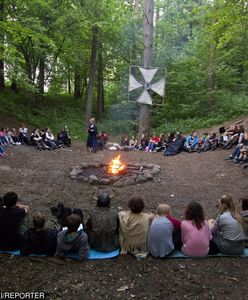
<point x="41" y="179"/>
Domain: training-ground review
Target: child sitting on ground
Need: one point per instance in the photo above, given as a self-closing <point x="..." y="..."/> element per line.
<point x="163" y="232"/>
<point x="244" y="214"/>
<point x="191" y="142"/>
<point x="39" y="240"/>
<point x="73" y="240"/>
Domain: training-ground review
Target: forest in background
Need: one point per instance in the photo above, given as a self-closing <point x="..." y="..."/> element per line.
<point x="61" y="60"/>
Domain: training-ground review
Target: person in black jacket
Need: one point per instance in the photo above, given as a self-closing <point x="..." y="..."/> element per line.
<point x="39" y="240"/>
<point x="13" y="222"/>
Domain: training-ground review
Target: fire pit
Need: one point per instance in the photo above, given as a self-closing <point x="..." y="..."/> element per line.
<point x="115" y="173"/>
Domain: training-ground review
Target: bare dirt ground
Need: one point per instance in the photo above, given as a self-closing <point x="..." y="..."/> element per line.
<point x="41" y="180"/>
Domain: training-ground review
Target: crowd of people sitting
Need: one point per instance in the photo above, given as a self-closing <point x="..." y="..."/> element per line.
<point x="233" y="137"/>
<point x="136" y="232"/>
<point x="172" y="144"/>
<point x="41" y="139"/>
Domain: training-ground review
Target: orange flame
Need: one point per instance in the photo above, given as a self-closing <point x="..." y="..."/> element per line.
<point x="115" y="166"/>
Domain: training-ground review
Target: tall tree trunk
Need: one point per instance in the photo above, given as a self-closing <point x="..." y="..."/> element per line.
<point x="100" y="88"/>
<point x="92" y="76"/>
<point x="212" y="77"/>
<point x="69" y="81"/>
<point x="77" y="83"/>
<point x="148" y="9"/>
<point x="156" y="37"/>
<point x="134" y="36"/>
<point x="212" y="66"/>
<point x="41" y="77"/>
<point x="2" y="16"/>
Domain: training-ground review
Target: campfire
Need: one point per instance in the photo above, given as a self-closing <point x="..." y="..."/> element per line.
<point x="116" y="167"/>
<point x="115" y="172"/>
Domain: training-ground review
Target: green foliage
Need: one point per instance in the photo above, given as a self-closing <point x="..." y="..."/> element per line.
<point x="53" y="112"/>
<point x="188" y="118"/>
<point x="60" y="33"/>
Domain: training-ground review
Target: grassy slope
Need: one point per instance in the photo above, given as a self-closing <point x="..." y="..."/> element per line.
<point x="57" y="111"/>
<point x="54" y="112"/>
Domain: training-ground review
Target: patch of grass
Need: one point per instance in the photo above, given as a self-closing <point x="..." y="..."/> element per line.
<point x="51" y="111"/>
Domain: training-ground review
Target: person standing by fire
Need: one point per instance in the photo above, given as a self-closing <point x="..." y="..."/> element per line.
<point x="92" y="136"/>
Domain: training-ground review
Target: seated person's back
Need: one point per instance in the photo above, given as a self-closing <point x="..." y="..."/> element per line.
<point x="102" y="225"/>
<point x="39" y="240"/>
<point x="160" y="238"/>
<point x="134" y="228"/>
<point x="71" y="240"/>
<point x="11" y="217"/>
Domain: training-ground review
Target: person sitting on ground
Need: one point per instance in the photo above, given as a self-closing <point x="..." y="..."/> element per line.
<point x="36" y="140"/>
<point x="39" y="240"/>
<point x="161" y="238"/>
<point x="23" y="135"/>
<point x="12" y="136"/>
<point x="63" y="138"/>
<point x="134" y="228"/>
<point x="202" y="143"/>
<point x="210" y="142"/>
<point x="49" y="139"/>
<point x="133" y="142"/>
<point x="13" y="222"/>
<point x="161" y="143"/>
<point x="244" y="214"/>
<point x="229" y="229"/>
<point x="175" y="146"/>
<point x="195" y="233"/>
<point x="170" y="138"/>
<point x="8" y="136"/>
<point x="72" y="240"/>
<point x="213" y="140"/>
<point x="153" y="142"/>
<point x="191" y="142"/>
<point x="102" y="225"/>
<point x="3" y="138"/>
<point x="240" y="152"/>
<point x="12" y="133"/>
<point x="233" y="134"/>
<point x="223" y="138"/>
<point x="143" y="143"/>
<point x="124" y="141"/>
<point x="2" y="152"/>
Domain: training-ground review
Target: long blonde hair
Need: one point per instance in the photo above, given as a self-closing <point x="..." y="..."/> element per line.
<point x="228" y="203"/>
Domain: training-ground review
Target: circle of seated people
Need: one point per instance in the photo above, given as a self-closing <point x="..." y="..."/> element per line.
<point x="134" y="231"/>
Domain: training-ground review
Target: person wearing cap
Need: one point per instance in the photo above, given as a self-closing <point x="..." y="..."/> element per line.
<point x="13" y="217"/>
<point x="102" y="225"/>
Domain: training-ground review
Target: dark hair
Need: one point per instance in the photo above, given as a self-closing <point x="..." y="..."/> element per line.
<point x="10" y="199"/>
<point x="39" y="221"/>
<point x="194" y="212"/>
<point x="103" y="200"/>
<point x="136" y="204"/>
<point x="222" y="130"/>
<point x="73" y="222"/>
<point x="241" y="128"/>
<point x="78" y="211"/>
<point x="244" y="203"/>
